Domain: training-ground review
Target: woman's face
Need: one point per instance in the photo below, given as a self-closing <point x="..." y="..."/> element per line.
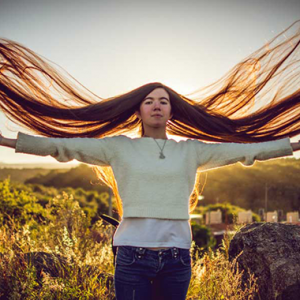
<point x="155" y="110"/>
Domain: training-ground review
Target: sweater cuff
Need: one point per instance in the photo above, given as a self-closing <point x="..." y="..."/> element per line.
<point x="270" y="150"/>
<point x="19" y="144"/>
<point x="28" y="144"/>
<point x="286" y="147"/>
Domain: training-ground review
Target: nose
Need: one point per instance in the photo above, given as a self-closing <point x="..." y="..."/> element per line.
<point x="156" y="105"/>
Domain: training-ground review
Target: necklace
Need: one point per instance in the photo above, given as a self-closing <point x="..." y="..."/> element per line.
<point x="161" y="149"/>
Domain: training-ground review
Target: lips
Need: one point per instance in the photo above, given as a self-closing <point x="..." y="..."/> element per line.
<point x="157" y="116"/>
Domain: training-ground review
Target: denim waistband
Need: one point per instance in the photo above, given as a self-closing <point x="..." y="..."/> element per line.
<point x="173" y="251"/>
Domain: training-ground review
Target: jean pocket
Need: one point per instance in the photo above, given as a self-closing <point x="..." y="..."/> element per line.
<point x="125" y="256"/>
<point x="185" y="258"/>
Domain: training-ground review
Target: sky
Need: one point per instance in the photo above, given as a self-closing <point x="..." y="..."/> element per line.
<point x="113" y="46"/>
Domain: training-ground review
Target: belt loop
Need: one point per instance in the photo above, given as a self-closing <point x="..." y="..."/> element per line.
<point x="175" y="252"/>
<point x="140" y="250"/>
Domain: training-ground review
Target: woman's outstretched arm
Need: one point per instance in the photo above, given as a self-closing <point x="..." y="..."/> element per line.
<point x="12" y="143"/>
<point x="214" y="155"/>
<point x="95" y="151"/>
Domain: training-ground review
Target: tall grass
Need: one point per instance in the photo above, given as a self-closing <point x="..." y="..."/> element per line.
<point x="214" y="277"/>
<point x="83" y="272"/>
<point x="82" y="268"/>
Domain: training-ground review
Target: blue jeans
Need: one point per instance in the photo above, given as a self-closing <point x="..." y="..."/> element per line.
<point x="136" y="267"/>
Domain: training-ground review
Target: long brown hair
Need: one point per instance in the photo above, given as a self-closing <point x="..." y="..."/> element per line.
<point x="48" y="102"/>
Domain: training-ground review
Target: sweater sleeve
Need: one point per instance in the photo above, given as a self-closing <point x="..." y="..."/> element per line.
<point x="95" y="151"/>
<point x="214" y="155"/>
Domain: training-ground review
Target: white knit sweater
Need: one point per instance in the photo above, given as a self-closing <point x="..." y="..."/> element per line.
<point x="151" y="187"/>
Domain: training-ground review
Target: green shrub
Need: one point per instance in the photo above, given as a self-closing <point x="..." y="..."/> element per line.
<point x="66" y="232"/>
<point x="203" y="236"/>
<point x="18" y="205"/>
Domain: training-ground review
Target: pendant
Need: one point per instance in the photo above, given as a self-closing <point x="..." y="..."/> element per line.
<point x="161" y="155"/>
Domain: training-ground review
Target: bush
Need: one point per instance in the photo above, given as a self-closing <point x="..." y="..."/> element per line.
<point x="18" y="205"/>
<point x="88" y="273"/>
<point x="65" y="232"/>
<point x="203" y="236"/>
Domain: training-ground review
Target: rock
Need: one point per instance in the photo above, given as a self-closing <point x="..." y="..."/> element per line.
<point x="271" y="251"/>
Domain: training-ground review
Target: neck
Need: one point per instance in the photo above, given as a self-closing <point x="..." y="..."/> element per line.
<point x="156" y="134"/>
<point x="162" y="138"/>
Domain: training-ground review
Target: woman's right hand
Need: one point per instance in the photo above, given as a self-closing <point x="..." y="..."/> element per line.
<point x="7" y="142"/>
<point x="1" y="137"/>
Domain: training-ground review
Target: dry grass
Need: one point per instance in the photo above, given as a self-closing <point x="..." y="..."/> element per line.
<point x="213" y="276"/>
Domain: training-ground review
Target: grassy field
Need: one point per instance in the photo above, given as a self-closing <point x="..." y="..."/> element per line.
<point x="60" y="256"/>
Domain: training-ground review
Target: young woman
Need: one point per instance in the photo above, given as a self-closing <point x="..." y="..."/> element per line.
<point x="154" y="178"/>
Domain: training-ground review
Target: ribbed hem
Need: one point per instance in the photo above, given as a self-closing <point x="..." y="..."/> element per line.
<point x="160" y="212"/>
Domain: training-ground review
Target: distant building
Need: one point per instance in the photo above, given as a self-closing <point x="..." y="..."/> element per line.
<point x="292" y="217"/>
<point x="213" y="217"/>
<point x="272" y="216"/>
<point x="245" y="217"/>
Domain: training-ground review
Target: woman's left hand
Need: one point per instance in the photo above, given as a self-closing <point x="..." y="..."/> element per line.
<point x="296" y="146"/>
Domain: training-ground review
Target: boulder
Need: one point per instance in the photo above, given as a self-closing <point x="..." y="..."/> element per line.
<point x="270" y="251"/>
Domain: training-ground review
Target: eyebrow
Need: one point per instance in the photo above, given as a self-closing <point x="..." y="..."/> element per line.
<point x="159" y="98"/>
